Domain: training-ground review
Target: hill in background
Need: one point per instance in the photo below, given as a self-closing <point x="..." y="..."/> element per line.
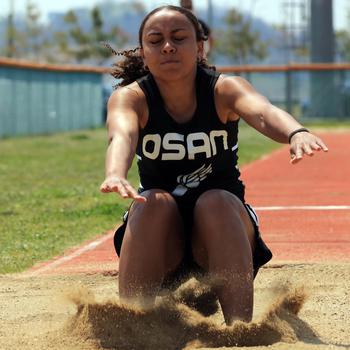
<point x="129" y="16"/>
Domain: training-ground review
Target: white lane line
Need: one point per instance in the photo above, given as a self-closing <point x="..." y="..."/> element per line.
<point x="90" y="246"/>
<point x="304" y="207"/>
<point x="94" y="244"/>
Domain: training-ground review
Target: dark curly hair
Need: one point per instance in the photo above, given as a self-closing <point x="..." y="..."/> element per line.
<point x="131" y="67"/>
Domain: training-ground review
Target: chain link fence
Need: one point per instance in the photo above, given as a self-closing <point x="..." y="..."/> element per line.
<point x="309" y="91"/>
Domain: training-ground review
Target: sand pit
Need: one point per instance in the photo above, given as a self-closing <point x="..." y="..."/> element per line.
<point x="297" y="306"/>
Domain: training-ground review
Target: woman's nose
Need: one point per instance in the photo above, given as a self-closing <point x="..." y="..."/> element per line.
<point x="168" y="48"/>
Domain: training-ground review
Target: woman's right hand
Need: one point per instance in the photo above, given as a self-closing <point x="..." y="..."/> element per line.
<point x="122" y="187"/>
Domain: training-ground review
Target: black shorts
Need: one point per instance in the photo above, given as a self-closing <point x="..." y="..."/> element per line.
<point x="188" y="266"/>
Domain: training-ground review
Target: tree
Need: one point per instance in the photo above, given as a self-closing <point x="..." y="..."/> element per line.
<point x="294" y="45"/>
<point x="239" y="41"/>
<point x="11" y="34"/>
<point x="343" y="41"/>
<point x="343" y="45"/>
<point x="34" y="42"/>
<point x="75" y="42"/>
<point x="26" y="38"/>
<point x="82" y="45"/>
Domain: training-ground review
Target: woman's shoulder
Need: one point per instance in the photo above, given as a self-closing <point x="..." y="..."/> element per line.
<point x="231" y="85"/>
<point x="131" y="94"/>
<point x="227" y="91"/>
<point x="232" y="81"/>
<point x="128" y="98"/>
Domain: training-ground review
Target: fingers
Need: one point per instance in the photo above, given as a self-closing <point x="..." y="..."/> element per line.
<point x="140" y="199"/>
<point x="321" y="144"/>
<point x="109" y="185"/>
<point x="127" y="191"/>
<point x="306" y="145"/>
<point x="122" y="187"/>
<point x="294" y="160"/>
<point x="298" y="151"/>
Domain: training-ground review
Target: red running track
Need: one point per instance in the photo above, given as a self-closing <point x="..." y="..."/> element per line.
<point x="304" y="212"/>
<point x="320" y="187"/>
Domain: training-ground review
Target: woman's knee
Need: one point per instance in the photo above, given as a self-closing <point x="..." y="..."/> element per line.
<point x="159" y="203"/>
<point x="218" y="202"/>
<point x="155" y="228"/>
<point x="156" y="219"/>
<point x="219" y="213"/>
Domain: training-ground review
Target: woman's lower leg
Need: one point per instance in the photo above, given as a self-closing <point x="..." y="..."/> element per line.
<point x="223" y="243"/>
<point x="152" y="246"/>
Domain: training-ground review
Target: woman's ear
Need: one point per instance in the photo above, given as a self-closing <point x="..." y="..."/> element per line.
<point x="141" y="53"/>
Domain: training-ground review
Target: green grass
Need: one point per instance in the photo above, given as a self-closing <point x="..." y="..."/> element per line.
<point x="50" y="199"/>
<point x="253" y="145"/>
<point x="327" y="124"/>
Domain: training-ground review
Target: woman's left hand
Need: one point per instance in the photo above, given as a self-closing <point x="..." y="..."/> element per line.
<point x="305" y="143"/>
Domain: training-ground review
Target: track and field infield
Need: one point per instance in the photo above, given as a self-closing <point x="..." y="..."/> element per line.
<point x="301" y="298"/>
<point x="304" y="212"/>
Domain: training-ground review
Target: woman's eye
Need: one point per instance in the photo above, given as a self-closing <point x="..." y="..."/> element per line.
<point x="154" y="42"/>
<point x="179" y="39"/>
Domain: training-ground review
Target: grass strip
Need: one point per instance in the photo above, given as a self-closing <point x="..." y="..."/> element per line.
<point x="50" y="199"/>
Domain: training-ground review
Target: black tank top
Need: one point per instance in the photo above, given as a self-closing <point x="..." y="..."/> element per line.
<point x="189" y="158"/>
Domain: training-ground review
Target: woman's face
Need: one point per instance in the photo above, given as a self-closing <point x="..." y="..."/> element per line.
<point x="170" y="48"/>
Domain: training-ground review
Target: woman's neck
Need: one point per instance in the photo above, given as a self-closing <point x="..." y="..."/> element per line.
<point x="179" y="97"/>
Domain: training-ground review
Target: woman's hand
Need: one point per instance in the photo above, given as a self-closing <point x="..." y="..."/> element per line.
<point x="305" y="143"/>
<point x="119" y="185"/>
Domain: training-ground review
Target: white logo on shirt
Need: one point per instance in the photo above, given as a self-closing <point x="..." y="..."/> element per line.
<point x="192" y="180"/>
<point x="195" y="143"/>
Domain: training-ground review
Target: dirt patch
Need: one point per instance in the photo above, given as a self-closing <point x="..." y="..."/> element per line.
<point x="303" y="305"/>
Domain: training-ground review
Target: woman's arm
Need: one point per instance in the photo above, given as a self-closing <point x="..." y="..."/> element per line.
<point x="124" y="113"/>
<point x="241" y="99"/>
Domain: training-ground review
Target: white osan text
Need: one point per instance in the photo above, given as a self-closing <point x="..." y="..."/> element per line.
<point x="175" y="146"/>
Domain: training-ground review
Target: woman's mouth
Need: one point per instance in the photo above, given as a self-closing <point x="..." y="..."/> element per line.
<point x="169" y="62"/>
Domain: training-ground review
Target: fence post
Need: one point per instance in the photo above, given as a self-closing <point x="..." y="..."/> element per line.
<point x="289" y="90"/>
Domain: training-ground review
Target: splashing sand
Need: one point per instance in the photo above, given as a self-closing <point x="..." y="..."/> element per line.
<point x="171" y="324"/>
<point x="32" y="317"/>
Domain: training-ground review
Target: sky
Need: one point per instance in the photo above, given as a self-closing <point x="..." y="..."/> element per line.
<point x="268" y="10"/>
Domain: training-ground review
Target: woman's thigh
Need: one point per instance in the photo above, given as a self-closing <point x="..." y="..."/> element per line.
<point x="221" y="223"/>
<point x="155" y="231"/>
